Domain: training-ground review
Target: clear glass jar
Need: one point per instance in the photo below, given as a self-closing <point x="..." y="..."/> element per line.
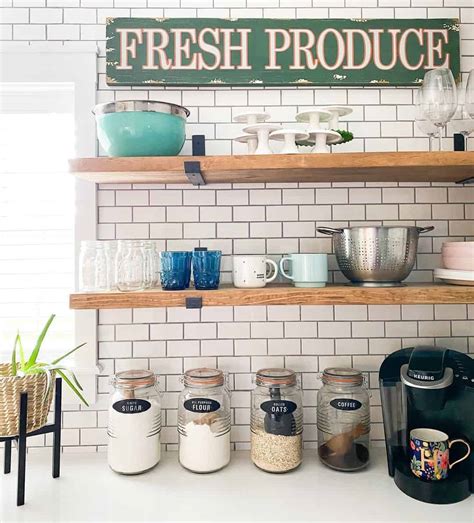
<point x="92" y="267"/>
<point x="111" y="247"/>
<point x="343" y="420"/>
<point x="276" y="422"/>
<point x="131" y="267"/>
<point x="204" y="421"/>
<point x="134" y="425"/>
<point x="151" y="264"/>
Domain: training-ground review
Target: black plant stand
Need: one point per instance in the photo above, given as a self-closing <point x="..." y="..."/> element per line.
<point x="55" y="428"/>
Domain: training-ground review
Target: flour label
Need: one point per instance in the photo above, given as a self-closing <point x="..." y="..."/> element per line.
<point x="202" y="405"/>
<point x="278" y="407"/>
<point x="131" y="406"/>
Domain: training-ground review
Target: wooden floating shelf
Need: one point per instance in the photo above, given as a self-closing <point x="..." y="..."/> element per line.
<point x="279" y="295"/>
<point x="283" y="168"/>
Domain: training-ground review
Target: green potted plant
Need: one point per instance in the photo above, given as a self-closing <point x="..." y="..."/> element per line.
<point x="26" y="373"/>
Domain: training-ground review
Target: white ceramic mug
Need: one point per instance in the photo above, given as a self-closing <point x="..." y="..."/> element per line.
<point x="253" y="271"/>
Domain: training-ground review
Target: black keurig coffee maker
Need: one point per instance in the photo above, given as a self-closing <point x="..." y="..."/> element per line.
<point x="429" y="388"/>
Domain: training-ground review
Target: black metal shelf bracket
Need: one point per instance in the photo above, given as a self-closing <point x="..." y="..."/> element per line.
<point x="193" y="169"/>
<point x="199" y="145"/>
<point x="466" y="181"/>
<point x="193" y="172"/>
<point x="22" y="436"/>
<point x="194" y="302"/>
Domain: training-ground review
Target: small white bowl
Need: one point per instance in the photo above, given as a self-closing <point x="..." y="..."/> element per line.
<point x="458" y="263"/>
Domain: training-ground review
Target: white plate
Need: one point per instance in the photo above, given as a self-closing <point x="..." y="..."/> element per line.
<point x="455" y="277"/>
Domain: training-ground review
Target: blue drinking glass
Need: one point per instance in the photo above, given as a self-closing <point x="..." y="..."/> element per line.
<point x="206" y="269"/>
<point x="174" y="271"/>
<point x="189" y="259"/>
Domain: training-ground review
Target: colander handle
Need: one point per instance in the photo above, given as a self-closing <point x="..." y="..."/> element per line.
<point x="329" y="230"/>
<point x="421" y="230"/>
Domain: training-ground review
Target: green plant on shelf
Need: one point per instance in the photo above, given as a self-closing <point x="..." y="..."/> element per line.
<point x="346" y="136"/>
<point x="31" y="365"/>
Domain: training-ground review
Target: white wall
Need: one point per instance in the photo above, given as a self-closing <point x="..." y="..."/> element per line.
<point x="271" y="219"/>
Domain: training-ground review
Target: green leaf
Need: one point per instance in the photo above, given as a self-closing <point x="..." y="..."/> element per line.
<point x="68" y="381"/>
<point x="57" y="360"/>
<point x="66" y="369"/>
<point x="14" y="368"/>
<point x="39" y="342"/>
<point x="21" y="351"/>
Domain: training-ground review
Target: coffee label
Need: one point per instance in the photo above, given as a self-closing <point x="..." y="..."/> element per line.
<point x="131" y="406"/>
<point x="202" y="405"/>
<point x="345" y="404"/>
<point x="278" y="407"/>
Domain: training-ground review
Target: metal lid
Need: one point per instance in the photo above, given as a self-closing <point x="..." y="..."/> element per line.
<point x="269" y="377"/>
<point x="153" y="106"/>
<point x="343" y="376"/>
<point x="204" y="377"/>
<point x="134" y="379"/>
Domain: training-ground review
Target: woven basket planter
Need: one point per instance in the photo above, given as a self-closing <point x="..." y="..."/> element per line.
<point x="11" y="388"/>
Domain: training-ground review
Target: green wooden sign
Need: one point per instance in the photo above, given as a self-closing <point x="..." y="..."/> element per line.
<point x="207" y="51"/>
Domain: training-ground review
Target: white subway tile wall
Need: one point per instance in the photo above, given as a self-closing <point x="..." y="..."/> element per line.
<point x="265" y="219"/>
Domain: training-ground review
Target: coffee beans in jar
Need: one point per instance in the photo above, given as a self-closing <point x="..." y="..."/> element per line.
<point x="343" y="420"/>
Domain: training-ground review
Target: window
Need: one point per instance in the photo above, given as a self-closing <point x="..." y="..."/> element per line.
<point x="45" y="119"/>
<point x="36" y="213"/>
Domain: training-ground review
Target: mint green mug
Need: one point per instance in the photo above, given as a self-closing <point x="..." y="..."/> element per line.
<point x="306" y="270"/>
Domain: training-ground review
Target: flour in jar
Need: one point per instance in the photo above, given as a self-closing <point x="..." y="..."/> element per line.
<point x="202" y="448"/>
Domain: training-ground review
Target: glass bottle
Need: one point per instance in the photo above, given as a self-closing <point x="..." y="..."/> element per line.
<point x="134" y="424"/>
<point x="204" y="421"/>
<point x="276" y="421"/>
<point x="131" y="266"/>
<point x="343" y="419"/>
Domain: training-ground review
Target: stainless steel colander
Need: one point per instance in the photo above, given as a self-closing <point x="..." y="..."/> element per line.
<point x="375" y="256"/>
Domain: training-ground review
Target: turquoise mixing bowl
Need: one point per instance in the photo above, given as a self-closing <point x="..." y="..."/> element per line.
<point x="141" y="128"/>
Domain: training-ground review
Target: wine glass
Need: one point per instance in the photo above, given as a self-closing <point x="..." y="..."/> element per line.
<point x="469" y="96"/>
<point x="424" y="125"/>
<point x="439" y="98"/>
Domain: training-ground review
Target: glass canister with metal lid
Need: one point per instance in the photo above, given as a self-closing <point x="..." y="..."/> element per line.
<point x="204" y="421"/>
<point x="276" y="422"/>
<point x="343" y="419"/>
<point x="134" y="424"/>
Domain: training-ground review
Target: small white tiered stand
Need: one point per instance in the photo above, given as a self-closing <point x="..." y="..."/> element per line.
<point x="321" y="137"/>
<point x="262" y="130"/>
<point x="337" y="111"/>
<point x="289" y="137"/>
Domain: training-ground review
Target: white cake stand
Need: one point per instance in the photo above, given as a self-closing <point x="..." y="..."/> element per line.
<point x="289" y="137"/>
<point x="337" y="111"/>
<point x="251" y="117"/>
<point x="323" y="137"/>
<point x="262" y="130"/>
<point x="250" y="140"/>
<point x="314" y="117"/>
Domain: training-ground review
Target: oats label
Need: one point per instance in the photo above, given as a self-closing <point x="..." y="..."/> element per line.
<point x="278" y="407"/>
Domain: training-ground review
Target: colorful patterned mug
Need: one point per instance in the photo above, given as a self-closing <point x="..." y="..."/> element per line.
<point x="429" y="453"/>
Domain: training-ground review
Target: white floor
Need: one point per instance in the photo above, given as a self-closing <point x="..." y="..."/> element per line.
<point x="89" y="491"/>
